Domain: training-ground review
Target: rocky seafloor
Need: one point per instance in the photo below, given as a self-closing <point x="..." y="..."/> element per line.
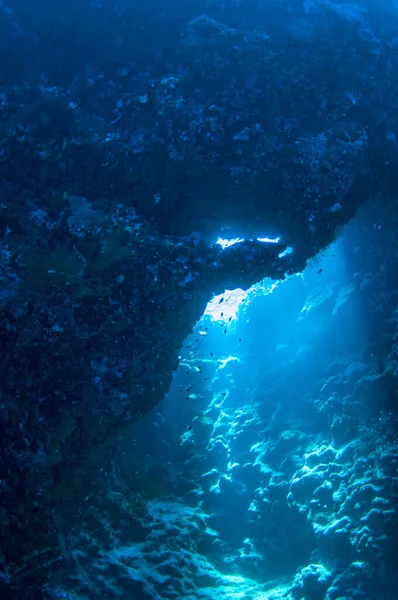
<point x="271" y="468"/>
<point x="132" y="135"/>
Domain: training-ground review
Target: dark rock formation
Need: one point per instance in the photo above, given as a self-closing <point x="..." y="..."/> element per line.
<point x="280" y="486"/>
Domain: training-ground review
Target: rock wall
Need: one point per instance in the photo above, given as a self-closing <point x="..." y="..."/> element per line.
<point x="271" y="467"/>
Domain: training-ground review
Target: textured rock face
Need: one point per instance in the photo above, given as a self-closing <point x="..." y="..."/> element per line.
<point x="124" y="153"/>
<point x="271" y="469"/>
<point x="244" y="119"/>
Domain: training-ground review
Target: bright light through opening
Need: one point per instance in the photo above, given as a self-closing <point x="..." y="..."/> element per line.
<point x="268" y="240"/>
<point x="288" y="250"/>
<point x="225" y="307"/>
<point x="227" y="243"/>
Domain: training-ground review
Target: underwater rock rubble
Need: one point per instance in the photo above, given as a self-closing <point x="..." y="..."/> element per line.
<point x="119" y="168"/>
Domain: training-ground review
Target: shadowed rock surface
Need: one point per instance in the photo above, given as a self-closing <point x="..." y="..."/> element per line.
<point x="126" y="148"/>
<point x="271" y="468"/>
